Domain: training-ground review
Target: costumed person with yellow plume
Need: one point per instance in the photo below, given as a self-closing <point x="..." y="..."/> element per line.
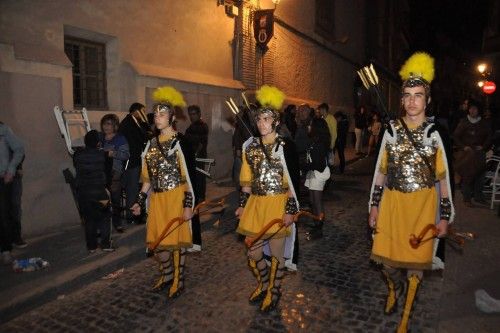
<point x="411" y="189"/>
<point x="166" y="171"/>
<point x="268" y="174"/>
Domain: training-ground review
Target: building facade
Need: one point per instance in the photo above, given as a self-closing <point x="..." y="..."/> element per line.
<point x="105" y="55"/>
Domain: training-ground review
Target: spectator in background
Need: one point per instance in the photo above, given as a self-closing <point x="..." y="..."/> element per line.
<point x="318" y="171"/>
<point x="456" y="116"/>
<point x="359" y="128"/>
<point x="16" y="209"/>
<point x="11" y="155"/>
<point x="332" y="128"/>
<point x="93" y="197"/>
<point x="117" y="154"/>
<point x="473" y="137"/>
<point x="135" y="128"/>
<point x="342" y="131"/>
<point x="289" y="115"/>
<point x="242" y="129"/>
<point x="197" y="137"/>
<point x="374" y="130"/>
<point x="302" y="140"/>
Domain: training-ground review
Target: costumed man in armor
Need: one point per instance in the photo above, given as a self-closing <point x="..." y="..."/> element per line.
<point x="166" y="171"/>
<point x="268" y="179"/>
<point x="404" y="197"/>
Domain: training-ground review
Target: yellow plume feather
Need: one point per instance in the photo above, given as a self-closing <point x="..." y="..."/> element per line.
<point x="420" y="64"/>
<point x="270" y="96"/>
<point x="168" y="95"/>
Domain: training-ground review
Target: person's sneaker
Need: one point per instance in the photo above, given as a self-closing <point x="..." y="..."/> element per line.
<point x="195" y="248"/>
<point x="92" y="251"/>
<point x="20" y="244"/>
<point x="7" y="258"/>
<point x="108" y="249"/>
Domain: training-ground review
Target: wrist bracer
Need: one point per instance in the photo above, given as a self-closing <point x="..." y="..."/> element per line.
<point x="291" y="206"/>
<point x="376" y="195"/>
<point x="445" y="209"/>
<point x="188" y="200"/>
<point x="141" y="199"/>
<point x="243" y="199"/>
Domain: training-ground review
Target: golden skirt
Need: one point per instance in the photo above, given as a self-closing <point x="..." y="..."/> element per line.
<point x="401" y="215"/>
<point x="259" y="211"/>
<point x="163" y="207"/>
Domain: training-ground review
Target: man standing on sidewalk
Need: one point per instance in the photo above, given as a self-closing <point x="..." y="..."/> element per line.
<point x="197" y="137"/>
<point x="11" y="154"/>
<point x="332" y="128"/>
<point x="411" y="160"/>
<point x="136" y="130"/>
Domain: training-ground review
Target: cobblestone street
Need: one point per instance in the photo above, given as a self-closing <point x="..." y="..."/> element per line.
<point x="336" y="289"/>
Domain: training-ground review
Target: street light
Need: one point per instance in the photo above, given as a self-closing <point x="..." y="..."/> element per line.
<point x="480" y="84"/>
<point x="481" y="68"/>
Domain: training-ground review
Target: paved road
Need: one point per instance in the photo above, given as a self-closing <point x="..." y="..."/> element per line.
<point x="336" y="289"/>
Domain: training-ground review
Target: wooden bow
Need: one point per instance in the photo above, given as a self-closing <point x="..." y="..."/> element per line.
<point x="250" y="241"/>
<point x="456" y="237"/>
<point x="180" y="220"/>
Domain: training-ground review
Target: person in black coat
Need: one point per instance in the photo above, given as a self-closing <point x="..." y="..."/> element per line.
<point x="340" y="143"/>
<point x="93" y="199"/>
<point x="136" y="130"/>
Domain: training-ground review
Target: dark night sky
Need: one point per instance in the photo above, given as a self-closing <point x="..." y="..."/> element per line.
<point x="444" y="26"/>
<point x="452" y="32"/>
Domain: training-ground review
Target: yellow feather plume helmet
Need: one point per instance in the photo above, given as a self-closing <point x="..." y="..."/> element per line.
<point x="168" y="95"/>
<point x="270" y="97"/>
<point x="419" y="65"/>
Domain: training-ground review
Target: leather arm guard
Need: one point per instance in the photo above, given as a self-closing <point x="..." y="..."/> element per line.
<point x="243" y="199"/>
<point x="445" y="209"/>
<point x="141" y="200"/>
<point x="376" y="195"/>
<point x="188" y="200"/>
<point x="291" y="206"/>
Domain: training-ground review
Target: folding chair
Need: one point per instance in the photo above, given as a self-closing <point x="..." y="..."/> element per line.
<point x="492" y="179"/>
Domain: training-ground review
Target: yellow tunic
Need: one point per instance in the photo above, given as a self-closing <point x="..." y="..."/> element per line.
<point x="262" y="209"/>
<point x="165" y="206"/>
<point x="403" y="214"/>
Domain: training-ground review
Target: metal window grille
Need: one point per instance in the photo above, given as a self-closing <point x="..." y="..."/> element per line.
<point x="89" y="72"/>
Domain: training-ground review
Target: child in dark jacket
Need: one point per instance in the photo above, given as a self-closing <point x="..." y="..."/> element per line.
<point x="93" y="198"/>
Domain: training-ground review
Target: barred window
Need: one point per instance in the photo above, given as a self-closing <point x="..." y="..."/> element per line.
<point x="89" y="72"/>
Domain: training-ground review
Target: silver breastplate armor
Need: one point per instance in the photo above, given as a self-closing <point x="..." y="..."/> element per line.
<point x="164" y="171"/>
<point x="267" y="175"/>
<point x="406" y="170"/>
